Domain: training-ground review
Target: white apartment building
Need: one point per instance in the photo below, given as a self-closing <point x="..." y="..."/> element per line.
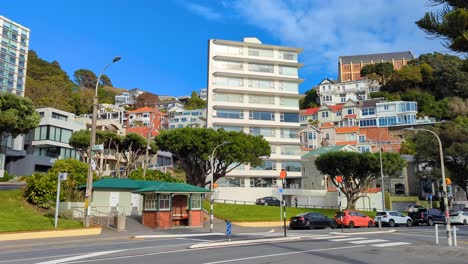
<point x="254" y="88"/>
<point x="188" y="118"/>
<point x="331" y="92"/>
<point x="14" y="46"/>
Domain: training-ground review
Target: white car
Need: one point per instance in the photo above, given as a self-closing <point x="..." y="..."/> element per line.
<point x="392" y="218"/>
<point x="460" y="217"/>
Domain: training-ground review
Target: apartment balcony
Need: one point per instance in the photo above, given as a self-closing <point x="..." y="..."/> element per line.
<point x="248" y="123"/>
<point x="256" y="59"/>
<point x="251" y="106"/>
<point x="255" y="75"/>
<point x="256" y="91"/>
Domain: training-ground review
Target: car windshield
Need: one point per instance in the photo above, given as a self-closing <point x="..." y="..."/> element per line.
<point x="422" y="210"/>
<point x="381" y="213"/>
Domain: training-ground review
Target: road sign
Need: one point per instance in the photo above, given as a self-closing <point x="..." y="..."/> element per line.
<point x="62" y="176"/>
<point x="98" y="147"/>
<point x="283" y="174"/>
<point x="228" y="228"/>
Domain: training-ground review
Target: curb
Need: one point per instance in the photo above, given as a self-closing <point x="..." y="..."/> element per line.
<point x="51" y="234"/>
<point x="364" y="232"/>
<point x="243" y="242"/>
<point x="178" y="235"/>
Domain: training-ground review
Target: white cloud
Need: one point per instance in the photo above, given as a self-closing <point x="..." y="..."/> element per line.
<point x="329" y="29"/>
<point x="203" y="11"/>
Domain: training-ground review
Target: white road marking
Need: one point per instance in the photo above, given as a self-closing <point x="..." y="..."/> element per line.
<point x="280" y="254"/>
<point x="326" y="237"/>
<point x="347" y="239"/>
<point x="195" y="239"/>
<point x="391" y="244"/>
<point x="95" y="254"/>
<point x="179" y="235"/>
<point x="368" y="241"/>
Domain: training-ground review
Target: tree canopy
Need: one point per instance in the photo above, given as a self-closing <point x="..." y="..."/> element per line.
<point x="310" y="99"/>
<point x="146" y="99"/>
<point x="85" y="78"/>
<point x="358" y="170"/>
<point x="449" y="24"/>
<point x="192" y="147"/>
<point x="383" y="70"/>
<point x="195" y="102"/>
<point x="17" y="114"/>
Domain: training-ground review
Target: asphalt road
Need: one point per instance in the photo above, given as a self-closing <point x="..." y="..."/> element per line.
<point x="408" y="245"/>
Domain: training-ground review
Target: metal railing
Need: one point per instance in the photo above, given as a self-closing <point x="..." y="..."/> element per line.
<point x="226" y="201"/>
<point x="102" y="217"/>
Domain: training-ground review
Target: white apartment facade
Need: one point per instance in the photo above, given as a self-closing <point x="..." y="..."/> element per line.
<point x="332" y="92"/>
<point x="14" y="46"/>
<point x="254" y="88"/>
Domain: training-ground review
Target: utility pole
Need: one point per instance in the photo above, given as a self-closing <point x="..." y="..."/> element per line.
<point x="148" y="137"/>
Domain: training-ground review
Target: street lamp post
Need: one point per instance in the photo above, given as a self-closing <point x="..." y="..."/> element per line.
<point x="89" y="181"/>
<point x="444" y="184"/>
<point x="212" y="182"/>
<point x="382" y="189"/>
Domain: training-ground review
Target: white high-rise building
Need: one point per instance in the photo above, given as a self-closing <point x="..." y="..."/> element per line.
<point x="14" y="47"/>
<point x="254" y="88"/>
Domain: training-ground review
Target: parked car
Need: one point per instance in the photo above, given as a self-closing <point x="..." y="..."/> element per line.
<point x="353" y="219"/>
<point x="269" y="200"/>
<point x="393" y="218"/>
<point x="311" y="220"/>
<point x="413" y="208"/>
<point x="459" y="217"/>
<point x="427" y="216"/>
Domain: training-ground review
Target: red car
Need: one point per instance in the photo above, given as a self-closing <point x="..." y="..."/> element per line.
<point x="353" y="218"/>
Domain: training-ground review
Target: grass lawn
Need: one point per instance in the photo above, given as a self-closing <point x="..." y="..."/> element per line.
<point x="17" y="215"/>
<point x="244" y="213"/>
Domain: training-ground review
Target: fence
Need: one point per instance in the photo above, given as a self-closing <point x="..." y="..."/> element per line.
<point x="224" y="201"/>
<point x="105" y="216"/>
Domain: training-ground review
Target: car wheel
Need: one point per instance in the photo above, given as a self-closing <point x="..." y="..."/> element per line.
<point x="409" y="223"/>
<point x="370" y="224"/>
<point x="391" y="223"/>
<point x="430" y="222"/>
<point x="333" y="225"/>
<point x="351" y="224"/>
<point x="464" y="222"/>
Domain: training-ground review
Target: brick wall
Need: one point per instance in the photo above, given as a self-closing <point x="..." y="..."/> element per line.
<point x="195" y="218"/>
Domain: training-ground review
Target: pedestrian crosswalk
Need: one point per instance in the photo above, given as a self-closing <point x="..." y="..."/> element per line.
<point x="374" y="242"/>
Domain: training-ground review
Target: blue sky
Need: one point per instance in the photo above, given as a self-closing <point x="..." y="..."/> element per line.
<point x="163" y="44"/>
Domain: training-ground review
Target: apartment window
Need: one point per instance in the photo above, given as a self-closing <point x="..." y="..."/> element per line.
<point x="356" y="67"/>
<point x="262" y="100"/>
<point x="227" y="65"/>
<point x="368" y="123"/>
<point x="261" y="182"/>
<point x="229" y="128"/>
<point x="261" y="84"/>
<point x="291" y="166"/>
<point x="231" y="82"/>
<point x="351" y="136"/>
<point x="386" y="107"/>
<point x="230" y="114"/>
<point x="351" y="111"/>
<point x="312" y="135"/>
<point x="343" y="99"/>
<point x="273" y="149"/>
<point x="290" y="71"/>
<point x="362" y="139"/>
<point x="327" y="136"/>
<point x="327" y="98"/>
<point x="164" y="201"/>
<point x="195" y="201"/>
<point x="387" y="121"/>
<point x="290" y="150"/>
<point x="325" y="114"/>
<point x="52" y="133"/>
<point x="150" y="201"/>
<point x="289" y="133"/>
<point x="338" y="113"/>
<point x="289" y="117"/>
<point x="267" y="165"/>
<point x="288" y="56"/>
<point x="289" y="86"/>
<point x="261" y="67"/>
<point x="269" y="116"/>
<point x="368" y="111"/>
<point x="261" y="52"/>
<point x="289" y="102"/>
<point x="229" y="98"/>
<point x="363" y="149"/>
<point x="262" y="131"/>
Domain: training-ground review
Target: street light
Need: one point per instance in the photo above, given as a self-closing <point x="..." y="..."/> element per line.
<point x="89" y="181"/>
<point x="212" y="182"/>
<point x="444" y="184"/>
<point x="382" y="189"/>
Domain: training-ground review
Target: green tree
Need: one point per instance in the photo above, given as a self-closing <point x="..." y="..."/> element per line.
<point x="449" y="23"/>
<point x="383" y="70"/>
<point x="105" y="81"/>
<point x="358" y="170"/>
<point x="85" y="78"/>
<point x="408" y="77"/>
<point x="146" y="99"/>
<point x="152" y="175"/>
<point x="41" y="188"/>
<point x="17" y="115"/>
<point x="133" y="147"/>
<point x="310" y="99"/>
<point x="192" y="147"/>
<point x="195" y="102"/>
